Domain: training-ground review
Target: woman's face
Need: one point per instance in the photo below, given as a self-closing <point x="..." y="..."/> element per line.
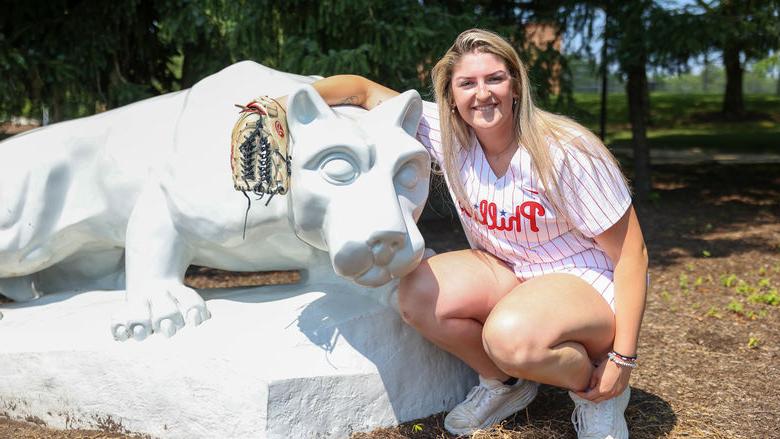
<point x="482" y="90"/>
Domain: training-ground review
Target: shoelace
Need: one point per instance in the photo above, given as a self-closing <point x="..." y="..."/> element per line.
<point x="579" y="417"/>
<point x="478" y="392"/>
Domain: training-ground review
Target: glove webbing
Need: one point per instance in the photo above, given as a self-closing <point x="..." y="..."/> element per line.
<point x="261" y="160"/>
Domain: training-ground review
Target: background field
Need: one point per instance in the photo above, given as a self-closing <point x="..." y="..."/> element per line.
<point x="680" y="121"/>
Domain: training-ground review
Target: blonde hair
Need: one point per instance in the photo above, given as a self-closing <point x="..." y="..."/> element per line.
<point x="536" y="130"/>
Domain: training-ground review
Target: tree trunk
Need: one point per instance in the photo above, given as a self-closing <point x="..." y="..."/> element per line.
<point x="638" y="103"/>
<point x="733" y="103"/>
<point x="57" y="105"/>
<point x="189" y="72"/>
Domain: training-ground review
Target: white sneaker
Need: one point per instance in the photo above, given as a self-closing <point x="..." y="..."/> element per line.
<point x="489" y="403"/>
<point x="604" y="420"/>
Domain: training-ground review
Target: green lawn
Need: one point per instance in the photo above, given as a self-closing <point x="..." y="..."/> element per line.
<point x="689" y="121"/>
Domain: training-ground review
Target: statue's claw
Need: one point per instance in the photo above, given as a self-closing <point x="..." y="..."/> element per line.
<point x="119" y="332"/>
<point x="167" y="328"/>
<point x="196" y="316"/>
<point x="140" y="331"/>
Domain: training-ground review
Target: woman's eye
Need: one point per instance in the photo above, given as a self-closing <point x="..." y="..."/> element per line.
<point x="339" y="171"/>
<point x="408" y="176"/>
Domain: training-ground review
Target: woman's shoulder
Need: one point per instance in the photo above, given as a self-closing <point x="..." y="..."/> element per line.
<point x="575" y="140"/>
<point x="430" y="116"/>
<point x="569" y="135"/>
<point x="430" y="109"/>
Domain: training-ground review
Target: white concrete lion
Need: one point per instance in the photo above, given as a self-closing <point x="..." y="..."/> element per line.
<point x="141" y="192"/>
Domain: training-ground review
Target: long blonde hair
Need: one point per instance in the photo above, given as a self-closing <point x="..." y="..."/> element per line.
<point x="537" y="131"/>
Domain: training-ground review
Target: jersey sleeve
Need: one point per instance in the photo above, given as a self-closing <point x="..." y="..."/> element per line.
<point x="594" y="190"/>
<point x="429" y="131"/>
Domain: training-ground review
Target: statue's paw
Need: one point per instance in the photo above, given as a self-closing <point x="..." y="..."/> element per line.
<point x="162" y="313"/>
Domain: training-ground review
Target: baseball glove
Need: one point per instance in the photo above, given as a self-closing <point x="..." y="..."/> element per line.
<point x="259" y="156"/>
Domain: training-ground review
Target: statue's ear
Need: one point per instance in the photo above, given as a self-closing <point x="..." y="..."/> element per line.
<point x="403" y="110"/>
<point x="305" y="106"/>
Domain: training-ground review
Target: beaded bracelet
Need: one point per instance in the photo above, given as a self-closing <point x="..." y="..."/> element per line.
<point x="622" y="361"/>
<point x="624" y="357"/>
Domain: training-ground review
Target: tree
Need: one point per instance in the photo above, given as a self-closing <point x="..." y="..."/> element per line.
<point x="77" y="57"/>
<point x="625" y="34"/>
<point x="69" y="54"/>
<point x="769" y="66"/>
<point x="636" y="33"/>
<point x="743" y="30"/>
<point x="393" y="42"/>
<point x="629" y="23"/>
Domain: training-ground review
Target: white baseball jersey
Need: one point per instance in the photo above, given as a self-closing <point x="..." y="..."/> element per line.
<point x="514" y="220"/>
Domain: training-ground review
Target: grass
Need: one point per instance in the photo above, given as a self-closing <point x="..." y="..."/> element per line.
<point x="689" y="121"/>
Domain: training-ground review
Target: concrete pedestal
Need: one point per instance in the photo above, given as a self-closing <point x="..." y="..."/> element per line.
<point x="271" y="362"/>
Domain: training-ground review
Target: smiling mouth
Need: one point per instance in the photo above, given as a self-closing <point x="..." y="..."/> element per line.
<point x="486" y="107"/>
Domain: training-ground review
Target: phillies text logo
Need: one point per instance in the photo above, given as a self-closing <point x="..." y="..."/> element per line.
<point x="491" y="218"/>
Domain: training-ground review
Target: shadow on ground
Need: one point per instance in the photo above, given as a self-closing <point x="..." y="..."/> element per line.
<point x="711" y="210"/>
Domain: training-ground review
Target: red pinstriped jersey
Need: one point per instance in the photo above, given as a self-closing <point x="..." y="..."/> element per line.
<point x="512" y="218"/>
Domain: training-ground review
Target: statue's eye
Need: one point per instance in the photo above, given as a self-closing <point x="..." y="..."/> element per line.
<point x="408" y="176"/>
<point x="339" y="170"/>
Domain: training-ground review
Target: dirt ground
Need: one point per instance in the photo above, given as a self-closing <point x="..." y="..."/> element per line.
<point x="709" y="349"/>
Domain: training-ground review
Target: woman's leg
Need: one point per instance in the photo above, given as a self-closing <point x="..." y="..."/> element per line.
<point x="448" y="298"/>
<point x="550" y="329"/>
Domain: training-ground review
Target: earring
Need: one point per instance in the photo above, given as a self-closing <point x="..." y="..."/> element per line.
<point x="514" y="102"/>
<point x="452" y="109"/>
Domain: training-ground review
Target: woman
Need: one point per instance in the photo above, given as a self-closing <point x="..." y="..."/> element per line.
<point x="553" y="289"/>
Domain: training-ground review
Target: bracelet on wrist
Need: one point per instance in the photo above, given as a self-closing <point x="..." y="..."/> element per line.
<point x="624" y="357"/>
<point x="622" y="361"/>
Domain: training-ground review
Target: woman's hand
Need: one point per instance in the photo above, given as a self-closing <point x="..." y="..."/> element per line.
<point x="607" y="381"/>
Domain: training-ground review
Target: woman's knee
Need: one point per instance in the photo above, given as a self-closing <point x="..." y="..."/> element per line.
<point x="453" y="285"/>
<point x="512" y="341"/>
<point x="417" y="295"/>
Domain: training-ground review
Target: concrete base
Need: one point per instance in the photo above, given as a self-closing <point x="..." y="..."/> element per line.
<point x="271" y="362"/>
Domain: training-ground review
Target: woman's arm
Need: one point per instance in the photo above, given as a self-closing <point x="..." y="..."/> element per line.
<point x="353" y="90"/>
<point x="625" y="246"/>
<point x="350" y="90"/>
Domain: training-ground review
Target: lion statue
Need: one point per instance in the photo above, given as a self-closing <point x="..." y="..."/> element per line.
<point x="131" y="197"/>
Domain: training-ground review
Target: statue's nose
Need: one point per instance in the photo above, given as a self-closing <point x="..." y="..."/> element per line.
<point x="353" y="259"/>
<point x="385" y="244"/>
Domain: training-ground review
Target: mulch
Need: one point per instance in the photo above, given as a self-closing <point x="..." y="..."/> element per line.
<point x="709" y="349"/>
